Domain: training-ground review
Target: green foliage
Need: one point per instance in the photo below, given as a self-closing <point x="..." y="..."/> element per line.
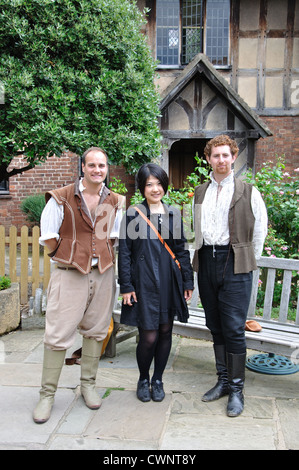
<point x="5" y="282"/>
<point x="76" y="74"/>
<point x="117" y="186"/>
<point x="280" y="191"/>
<point x="33" y="207"/>
<point x="137" y="198"/>
<point x="110" y="389"/>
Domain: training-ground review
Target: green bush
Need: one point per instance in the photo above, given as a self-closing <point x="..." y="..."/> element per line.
<point x="76" y="74"/>
<point x="5" y="282"/>
<point x="32" y="207"/>
<point x="117" y="186"/>
<point x="280" y="191"/>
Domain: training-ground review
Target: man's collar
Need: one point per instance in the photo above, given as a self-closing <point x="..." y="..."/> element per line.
<point x="82" y="187"/>
<point x="229" y="179"/>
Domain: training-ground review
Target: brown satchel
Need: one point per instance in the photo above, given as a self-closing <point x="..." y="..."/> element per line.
<point x="159" y="236"/>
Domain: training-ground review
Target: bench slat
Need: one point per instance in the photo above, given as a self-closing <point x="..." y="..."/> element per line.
<point x="269" y="294"/>
<point x="285" y="296"/>
<point x="255" y="286"/>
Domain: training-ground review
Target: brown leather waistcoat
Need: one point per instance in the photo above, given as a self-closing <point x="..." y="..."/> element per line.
<point x="81" y="239"/>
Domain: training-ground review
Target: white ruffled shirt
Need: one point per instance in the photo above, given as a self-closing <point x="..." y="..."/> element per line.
<point x="214" y="214"/>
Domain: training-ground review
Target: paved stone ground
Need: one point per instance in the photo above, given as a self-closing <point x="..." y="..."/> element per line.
<point x="182" y="422"/>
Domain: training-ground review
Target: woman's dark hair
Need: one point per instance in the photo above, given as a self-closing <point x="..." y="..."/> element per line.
<point x="151" y="169"/>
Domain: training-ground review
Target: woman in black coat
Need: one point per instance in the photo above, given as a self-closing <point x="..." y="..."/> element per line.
<point x="155" y="287"/>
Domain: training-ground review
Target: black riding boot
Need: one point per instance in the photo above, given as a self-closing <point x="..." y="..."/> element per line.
<point x="221" y="387"/>
<point x="236" y="378"/>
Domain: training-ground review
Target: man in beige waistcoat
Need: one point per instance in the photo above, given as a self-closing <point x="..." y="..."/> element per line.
<point x="230" y="221"/>
<point x="79" y="225"/>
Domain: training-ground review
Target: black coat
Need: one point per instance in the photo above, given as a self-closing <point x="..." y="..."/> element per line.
<point x="139" y="269"/>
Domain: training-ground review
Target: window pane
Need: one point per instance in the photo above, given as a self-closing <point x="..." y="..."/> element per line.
<point x="191" y="29"/>
<point x="217" y="31"/>
<point x="4" y="186"/>
<point x="168" y="44"/>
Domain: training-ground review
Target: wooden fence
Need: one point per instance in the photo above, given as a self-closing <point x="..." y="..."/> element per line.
<point x="24" y="260"/>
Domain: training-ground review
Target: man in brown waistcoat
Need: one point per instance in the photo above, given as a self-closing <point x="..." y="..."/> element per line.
<point x="79" y="225"/>
<point x="230" y="221"/>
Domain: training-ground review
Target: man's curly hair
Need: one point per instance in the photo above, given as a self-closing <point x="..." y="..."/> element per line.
<point x="221" y="140"/>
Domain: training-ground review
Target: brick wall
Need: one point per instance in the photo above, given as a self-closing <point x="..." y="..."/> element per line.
<point x="54" y="173"/>
<point x="284" y="141"/>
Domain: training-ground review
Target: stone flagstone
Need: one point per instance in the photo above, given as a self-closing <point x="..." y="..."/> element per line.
<point x="139" y="421"/>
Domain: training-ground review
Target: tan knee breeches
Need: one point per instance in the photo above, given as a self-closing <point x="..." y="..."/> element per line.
<point x="76" y="300"/>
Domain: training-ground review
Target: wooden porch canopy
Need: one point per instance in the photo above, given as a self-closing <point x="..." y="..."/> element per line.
<point x="200" y="104"/>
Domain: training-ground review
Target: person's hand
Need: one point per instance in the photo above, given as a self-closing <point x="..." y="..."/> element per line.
<point x="188" y="294"/>
<point x="127" y="298"/>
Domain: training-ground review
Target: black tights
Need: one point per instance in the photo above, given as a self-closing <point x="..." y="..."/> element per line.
<point x="154" y="344"/>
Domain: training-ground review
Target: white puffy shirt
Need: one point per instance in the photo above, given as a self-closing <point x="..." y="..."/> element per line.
<point x="214" y="214"/>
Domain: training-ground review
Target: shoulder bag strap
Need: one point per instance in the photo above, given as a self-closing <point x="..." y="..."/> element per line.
<point x="159" y="236"/>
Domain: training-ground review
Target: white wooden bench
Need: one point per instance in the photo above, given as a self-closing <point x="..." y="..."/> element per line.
<point x="277" y="336"/>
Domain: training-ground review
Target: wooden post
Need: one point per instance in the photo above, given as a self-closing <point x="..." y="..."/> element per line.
<point x="13" y="253"/>
<point x="24" y="265"/>
<point x="2" y="250"/>
<point x="35" y="259"/>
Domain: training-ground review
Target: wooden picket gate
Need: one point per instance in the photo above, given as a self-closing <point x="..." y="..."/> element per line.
<point x="24" y="260"/>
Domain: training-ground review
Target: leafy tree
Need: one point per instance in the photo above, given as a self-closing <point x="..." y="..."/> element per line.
<point x="76" y="74"/>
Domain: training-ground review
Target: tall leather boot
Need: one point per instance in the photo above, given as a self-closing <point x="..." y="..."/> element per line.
<point x="221" y="387"/>
<point x="52" y="365"/>
<point x="236" y="378"/>
<point x="91" y="352"/>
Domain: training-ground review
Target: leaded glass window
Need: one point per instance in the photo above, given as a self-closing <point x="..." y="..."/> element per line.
<point x="168" y="32"/>
<point x="217" y="31"/>
<point x="183" y="25"/>
<point x="191" y="29"/>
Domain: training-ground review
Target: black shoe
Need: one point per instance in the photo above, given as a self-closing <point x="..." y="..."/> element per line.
<point x="221" y="387"/>
<point x="157" y="390"/>
<point x="143" y="390"/>
<point x="220" y="390"/>
<point x="235" y="404"/>
<point x="236" y="377"/>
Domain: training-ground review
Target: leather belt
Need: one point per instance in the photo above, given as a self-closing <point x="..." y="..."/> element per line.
<point x="67" y="268"/>
<point x="70" y="268"/>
